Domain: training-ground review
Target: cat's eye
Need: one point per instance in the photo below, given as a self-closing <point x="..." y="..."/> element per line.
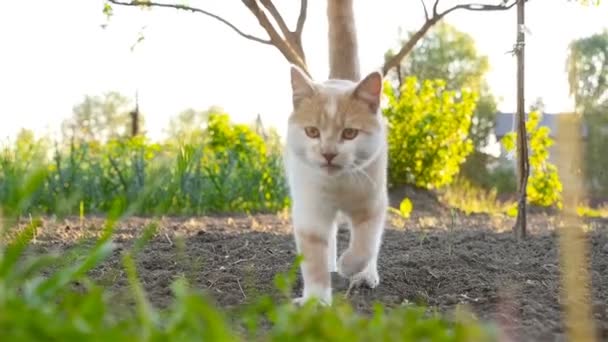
<point x="349" y="133"/>
<point x="312" y="132"/>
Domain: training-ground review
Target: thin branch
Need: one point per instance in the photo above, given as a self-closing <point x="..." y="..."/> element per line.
<point x="435" y="8"/>
<point x="426" y="12"/>
<point x="409" y="45"/>
<point x="480" y="7"/>
<point x="281" y="44"/>
<point x="301" y="17"/>
<point x="277" y="17"/>
<point x="137" y="3"/>
<point x="293" y="39"/>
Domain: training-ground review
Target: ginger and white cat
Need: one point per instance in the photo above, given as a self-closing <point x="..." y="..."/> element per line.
<point x="336" y="160"/>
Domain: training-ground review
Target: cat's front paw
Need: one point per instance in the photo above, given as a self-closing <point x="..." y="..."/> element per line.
<point x="351" y="263"/>
<point x="369" y="278"/>
<point x="322" y="295"/>
<point x="302" y="300"/>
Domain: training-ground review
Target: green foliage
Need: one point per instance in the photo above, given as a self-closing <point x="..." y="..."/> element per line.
<point x="588" y="70"/>
<point x="100" y="118"/>
<point x="44" y="298"/>
<point x="226" y="169"/>
<point x="586" y="211"/>
<point x="588" y="78"/>
<point x="489" y="173"/>
<point x="189" y="126"/>
<point x="544" y="187"/>
<point x="428" y="137"/>
<point x="596" y="158"/>
<point x="587" y="2"/>
<point x="448" y="54"/>
<point x="471" y="198"/>
<point x="502" y="179"/>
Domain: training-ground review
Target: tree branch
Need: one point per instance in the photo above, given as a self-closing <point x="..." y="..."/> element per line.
<point x="277" y="17"/>
<point x="281" y="44"/>
<point x="429" y="22"/>
<point x="408" y="46"/>
<point x="426" y="12"/>
<point x="137" y="3"/>
<point x="480" y="7"/>
<point x="435" y="8"/>
<point x="293" y="39"/>
<point x="301" y="18"/>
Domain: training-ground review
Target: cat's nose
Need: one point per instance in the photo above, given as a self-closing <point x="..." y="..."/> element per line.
<point x="329" y="156"/>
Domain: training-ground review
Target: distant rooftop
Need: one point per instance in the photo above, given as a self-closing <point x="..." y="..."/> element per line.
<point x="504" y="124"/>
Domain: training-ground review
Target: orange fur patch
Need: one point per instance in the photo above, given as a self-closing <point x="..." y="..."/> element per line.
<point x="314" y="248"/>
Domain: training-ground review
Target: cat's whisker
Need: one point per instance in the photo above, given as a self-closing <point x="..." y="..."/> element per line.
<point x="352" y="172"/>
<point x="362" y="172"/>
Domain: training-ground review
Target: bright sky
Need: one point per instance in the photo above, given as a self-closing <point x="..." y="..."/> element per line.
<point x="52" y="53"/>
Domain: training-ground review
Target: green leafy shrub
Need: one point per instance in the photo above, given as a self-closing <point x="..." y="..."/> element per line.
<point x="503" y="179"/>
<point x="478" y="170"/>
<point x="428" y="137"/>
<point x="596" y="157"/>
<point x="229" y="169"/>
<point x="544" y="187"/>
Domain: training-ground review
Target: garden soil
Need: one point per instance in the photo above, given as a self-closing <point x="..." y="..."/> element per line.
<point x="436" y="257"/>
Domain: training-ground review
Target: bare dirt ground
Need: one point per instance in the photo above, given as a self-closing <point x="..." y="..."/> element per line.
<point x="433" y="258"/>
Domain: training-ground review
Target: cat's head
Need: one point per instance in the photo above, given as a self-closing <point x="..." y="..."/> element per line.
<point x="335" y="126"/>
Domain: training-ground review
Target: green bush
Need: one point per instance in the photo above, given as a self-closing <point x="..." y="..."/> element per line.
<point x="230" y="169"/>
<point x="476" y="169"/>
<point x="429" y="128"/>
<point x="596" y="157"/>
<point x="544" y="187"/>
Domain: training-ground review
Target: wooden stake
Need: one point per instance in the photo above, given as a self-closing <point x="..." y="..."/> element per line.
<point x="523" y="166"/>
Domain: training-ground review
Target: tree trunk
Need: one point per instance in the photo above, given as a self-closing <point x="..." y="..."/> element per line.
<point x="342" y="39"/>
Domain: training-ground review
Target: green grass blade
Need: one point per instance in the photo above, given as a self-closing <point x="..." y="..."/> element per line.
<point x="13" y="251"/>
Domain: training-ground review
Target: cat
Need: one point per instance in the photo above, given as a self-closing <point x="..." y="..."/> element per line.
<point x="336" y="162"/>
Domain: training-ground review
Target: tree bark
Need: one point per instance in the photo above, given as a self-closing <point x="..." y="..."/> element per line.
<point x="342" y="39"/>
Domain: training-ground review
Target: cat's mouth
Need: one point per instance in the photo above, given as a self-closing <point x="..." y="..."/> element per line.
<point x="331" y="168"/>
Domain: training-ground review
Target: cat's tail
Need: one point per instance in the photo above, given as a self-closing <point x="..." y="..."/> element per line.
<point x="343" y="49"/>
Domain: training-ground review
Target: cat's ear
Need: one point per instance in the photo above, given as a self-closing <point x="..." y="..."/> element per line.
<point x="301" y="86"/>
<point x="369" y="90"/>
